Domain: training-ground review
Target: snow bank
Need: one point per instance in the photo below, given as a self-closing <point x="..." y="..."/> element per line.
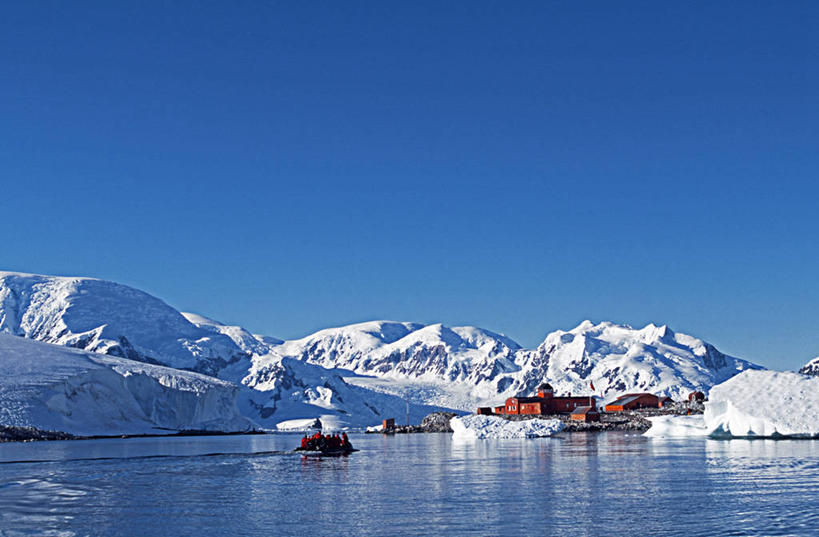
<point x="753" y="404"/>
<point x="477" y="427"/>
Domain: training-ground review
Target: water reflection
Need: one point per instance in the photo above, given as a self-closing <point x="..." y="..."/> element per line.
<point x="578" y="484"/>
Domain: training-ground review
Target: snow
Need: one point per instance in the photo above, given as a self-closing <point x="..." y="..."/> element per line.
<point x="479" y="427"/>
<point x="56" y="388"/>
<point x="307" y="424"/>
<point x="246" y="341"/>
<point x="109" y="318"/>
<point x="765" y="404"/>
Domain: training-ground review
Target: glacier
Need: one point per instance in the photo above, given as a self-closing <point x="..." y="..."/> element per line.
<point x="753" y="404"/>
<point x="50" y="387"/>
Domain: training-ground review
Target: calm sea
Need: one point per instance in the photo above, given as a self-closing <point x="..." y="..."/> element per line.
<point x="573" y="485"/>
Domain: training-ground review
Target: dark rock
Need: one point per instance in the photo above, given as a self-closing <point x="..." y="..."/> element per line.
<point x="437" y="422"/>
<point x="28" y="434"/>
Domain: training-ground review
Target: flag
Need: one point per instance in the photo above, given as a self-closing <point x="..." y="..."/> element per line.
<point x="591" y="385"/>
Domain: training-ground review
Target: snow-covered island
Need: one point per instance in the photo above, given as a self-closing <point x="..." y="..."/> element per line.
<point x="753" y="404"/>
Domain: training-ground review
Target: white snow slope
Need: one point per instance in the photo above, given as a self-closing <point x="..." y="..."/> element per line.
<point x="753" y="404"/>
<point x="56" y="388"/>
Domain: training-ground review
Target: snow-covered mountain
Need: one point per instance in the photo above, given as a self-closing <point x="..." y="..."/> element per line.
<point x="811" y="368"/>
<point x="620" y="359"/>
<point x="360" y="373"/>
<point x="474" y="366"/>
<point x="57" y="388"/>
<point x="407" y="351"/>
<point x="113" y="319"/>
<point x="110" y="318"/>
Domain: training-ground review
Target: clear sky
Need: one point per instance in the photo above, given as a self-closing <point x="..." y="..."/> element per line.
<point x="516" y="166"/>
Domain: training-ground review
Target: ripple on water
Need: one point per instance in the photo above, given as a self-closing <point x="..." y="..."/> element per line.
<point x="417" y="485"/>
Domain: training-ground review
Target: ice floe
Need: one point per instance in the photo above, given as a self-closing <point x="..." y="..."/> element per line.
<point x="477" y="427"/>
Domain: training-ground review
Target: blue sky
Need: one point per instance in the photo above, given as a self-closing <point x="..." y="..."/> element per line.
<point x="518" y="167"/>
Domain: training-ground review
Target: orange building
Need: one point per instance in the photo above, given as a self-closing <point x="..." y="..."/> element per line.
<point x="585" y="413"/>
<point x="632" y="401"/>
<point x="543" y="403"/>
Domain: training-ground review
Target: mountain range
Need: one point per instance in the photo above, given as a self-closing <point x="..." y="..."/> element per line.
<point x="358" y="374"/>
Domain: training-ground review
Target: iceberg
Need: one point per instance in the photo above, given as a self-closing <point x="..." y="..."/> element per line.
<point x="478" y="427"/>
<point x="753" y="404"/>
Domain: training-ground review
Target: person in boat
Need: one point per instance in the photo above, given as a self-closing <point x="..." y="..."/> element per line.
<point x="345" y="442"/>
<point x="304" y="441"/>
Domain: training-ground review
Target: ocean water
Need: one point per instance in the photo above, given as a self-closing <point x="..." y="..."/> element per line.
<point x="575" y="485"/>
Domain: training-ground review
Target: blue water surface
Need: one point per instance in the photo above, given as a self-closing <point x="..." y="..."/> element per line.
<point x="574" y="484"/>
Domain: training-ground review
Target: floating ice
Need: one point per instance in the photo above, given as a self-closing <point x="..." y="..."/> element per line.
<point x="753" y="404"/>
<point x="476" y="427"/>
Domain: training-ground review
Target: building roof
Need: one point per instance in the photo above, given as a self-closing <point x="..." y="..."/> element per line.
<point x="545" y="386"/>
<point x="624" y="400"/>
<point x="584" y="410"/>
<point x="528" y="399"/>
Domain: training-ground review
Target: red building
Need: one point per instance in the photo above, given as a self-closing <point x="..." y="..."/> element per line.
<point x="696" y="396"/>
<point x="544" y="403"/>
<point x="585" y="413"/>
<point x="632" y="401"/>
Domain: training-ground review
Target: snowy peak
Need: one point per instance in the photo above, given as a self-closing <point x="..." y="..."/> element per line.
<point x="402" y="350"/>
<point x="811" y="368"/>
<point x="109" y="318"/>
<point x="617" y="358"/>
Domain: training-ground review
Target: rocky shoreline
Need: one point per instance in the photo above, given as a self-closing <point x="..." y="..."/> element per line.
<point x="30" y="434"/>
